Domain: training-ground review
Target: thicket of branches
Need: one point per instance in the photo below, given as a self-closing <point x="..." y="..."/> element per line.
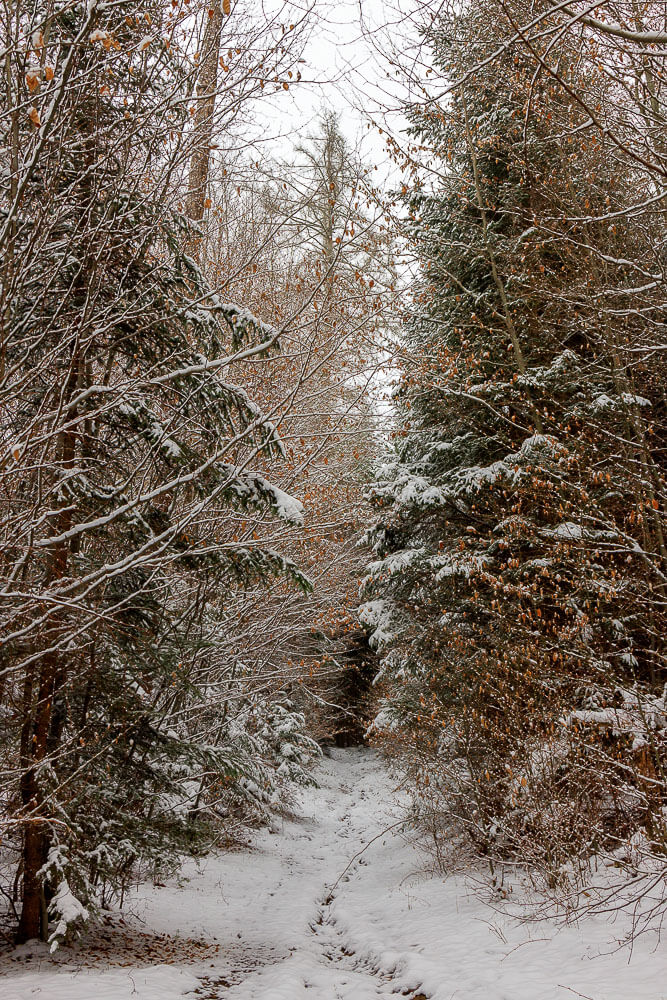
<point x="517" y="592"/>
<point x="190" y="335"/>
<point x="178" y="373"/>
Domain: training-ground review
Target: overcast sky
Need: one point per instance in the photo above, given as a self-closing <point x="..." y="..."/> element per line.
<point x="346" y="70"/>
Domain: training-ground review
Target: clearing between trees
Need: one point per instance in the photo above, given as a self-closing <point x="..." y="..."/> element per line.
<point x="336" y="903"/>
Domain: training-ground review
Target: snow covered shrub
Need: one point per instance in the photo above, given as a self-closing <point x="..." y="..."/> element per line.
<point x="274" y="756"/>
<point x="65" y="908"/>
<point x="285" y="734"/>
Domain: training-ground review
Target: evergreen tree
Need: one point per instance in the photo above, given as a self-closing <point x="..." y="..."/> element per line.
<point x="510" y="594"/>
<point x="124" y="448"/>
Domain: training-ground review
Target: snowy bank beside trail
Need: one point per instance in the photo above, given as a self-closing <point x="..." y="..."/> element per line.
<point x="39" y="983"/>
<point x="292" y="918"/>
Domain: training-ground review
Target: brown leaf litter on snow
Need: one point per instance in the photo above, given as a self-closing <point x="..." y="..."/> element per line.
<point x="115" y="942"/>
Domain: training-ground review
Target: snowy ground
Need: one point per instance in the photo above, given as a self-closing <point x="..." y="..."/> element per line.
<point x="305" y="915"/>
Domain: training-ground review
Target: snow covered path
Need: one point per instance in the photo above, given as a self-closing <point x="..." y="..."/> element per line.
<point x="306" y="916"/>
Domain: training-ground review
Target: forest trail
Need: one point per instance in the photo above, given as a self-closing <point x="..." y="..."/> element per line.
<point x="334" y="904"/>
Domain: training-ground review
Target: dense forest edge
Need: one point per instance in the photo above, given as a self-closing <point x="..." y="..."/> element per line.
<point x="297" y="453"/>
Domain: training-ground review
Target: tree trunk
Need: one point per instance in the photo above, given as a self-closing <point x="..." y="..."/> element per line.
<point x="38" y="723"/>
<point x="203" y="123"/>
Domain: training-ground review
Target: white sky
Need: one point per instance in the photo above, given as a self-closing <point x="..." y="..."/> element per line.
<point x="344" y="70"/>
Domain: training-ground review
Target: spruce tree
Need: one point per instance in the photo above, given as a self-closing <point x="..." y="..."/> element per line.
<point x="508" y="591"/>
